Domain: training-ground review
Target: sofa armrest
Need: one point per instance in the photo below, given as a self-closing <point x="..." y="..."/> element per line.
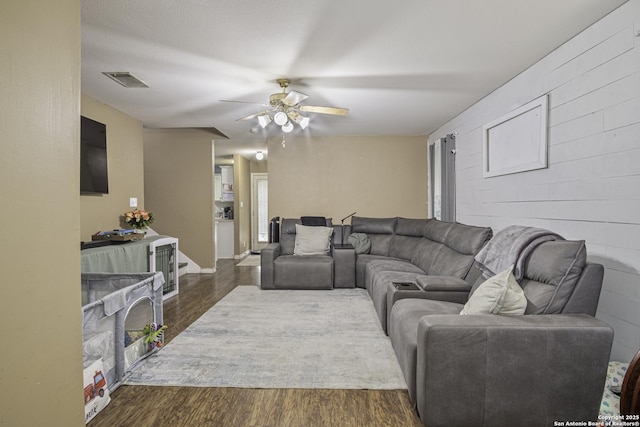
<point x="444" y="288"/>
<point x="268" y="255"/>
<point x="510" y="370"/>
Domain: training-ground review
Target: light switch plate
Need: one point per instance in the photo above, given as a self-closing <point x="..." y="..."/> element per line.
<point x="133" y="202"/>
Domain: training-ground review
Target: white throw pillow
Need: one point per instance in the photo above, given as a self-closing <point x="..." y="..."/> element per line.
<point x="312" y="240"/>
<point x="499" y="294"/>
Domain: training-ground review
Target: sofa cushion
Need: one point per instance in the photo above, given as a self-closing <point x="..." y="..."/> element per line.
<point x="499" y="294"/>
<point x="449" y="262"/>
<point x="551" y="273"/>
<point x="361" y="264"/>
<point x="288" y="234"/>
<point x="380" y="243"/>
<point x="403" y="246"/>
<point x="360" y="224"/>
<point x="408" y="234"/>
<point x="447" y="249"/>
<point x="312" y="240"/>
<point x="423" y="254"/>
<point x="411" y="227"/>
<point x="468" y="239"/>
<point x="437" y="259"/>
<point x="379" y="230"/>
<point x="303" y="272"/>
<point x="437" y="230"/>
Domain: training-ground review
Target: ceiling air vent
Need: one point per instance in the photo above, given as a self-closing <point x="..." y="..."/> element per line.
<point x="126" y="79"/>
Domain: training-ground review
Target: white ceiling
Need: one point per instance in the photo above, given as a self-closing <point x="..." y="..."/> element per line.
<point x="402" y="67"/>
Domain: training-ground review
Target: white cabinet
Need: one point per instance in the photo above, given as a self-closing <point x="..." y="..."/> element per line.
<point x="224" y="239"/>
<point x="226" y="177"/>
<point x="217" y="187"/>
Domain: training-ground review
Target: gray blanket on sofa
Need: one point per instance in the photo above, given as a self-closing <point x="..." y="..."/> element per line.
<point x="511" y="246"/>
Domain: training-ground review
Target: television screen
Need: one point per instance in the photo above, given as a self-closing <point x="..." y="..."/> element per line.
<point x="93" y="157"/>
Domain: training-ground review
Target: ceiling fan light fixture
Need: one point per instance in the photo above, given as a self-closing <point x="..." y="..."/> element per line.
<point x="264" y="120"/>
<point x="287" y="127"/>
<point x="280" y="118"/>
<point x="294" y="98"/>
<point x="284" y="109"/>
<point x="302" y="121"/>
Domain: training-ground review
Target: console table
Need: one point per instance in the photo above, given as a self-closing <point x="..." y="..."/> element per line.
<point x="153" y="253"/>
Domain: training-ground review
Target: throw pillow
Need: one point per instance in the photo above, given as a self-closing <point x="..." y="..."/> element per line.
<point x="499" y="294"/>
<point x="312" y="240"/>
<point x="361" y="242"/>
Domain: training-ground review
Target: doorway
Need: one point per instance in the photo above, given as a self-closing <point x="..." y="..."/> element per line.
<point x="259" y="211"/>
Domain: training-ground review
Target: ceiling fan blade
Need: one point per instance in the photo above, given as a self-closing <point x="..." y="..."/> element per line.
<point x="253" y="116"/>
<point x="325" y="110"/>
<point x="294" y="98"/>
<point x="245" y="102"/>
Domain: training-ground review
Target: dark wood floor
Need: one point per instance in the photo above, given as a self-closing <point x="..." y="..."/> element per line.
<point x="198" y="406"/>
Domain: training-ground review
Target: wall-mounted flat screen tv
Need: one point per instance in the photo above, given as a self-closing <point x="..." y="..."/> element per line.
<point x="94" y="177"/>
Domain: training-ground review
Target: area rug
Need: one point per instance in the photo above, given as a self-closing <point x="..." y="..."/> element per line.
<point x="258" y="338"/>
<point x="249" y="261"/>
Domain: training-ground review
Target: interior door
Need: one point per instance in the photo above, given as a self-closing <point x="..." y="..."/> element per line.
<point x="259" y="211"/>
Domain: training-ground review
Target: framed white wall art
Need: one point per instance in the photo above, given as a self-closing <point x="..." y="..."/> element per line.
<point x="517" y="141"/>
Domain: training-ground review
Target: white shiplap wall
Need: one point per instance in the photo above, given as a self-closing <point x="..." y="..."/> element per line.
<point x="591" y="188"/>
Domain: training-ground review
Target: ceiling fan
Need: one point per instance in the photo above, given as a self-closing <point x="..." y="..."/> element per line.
<point x="285" y="109"/>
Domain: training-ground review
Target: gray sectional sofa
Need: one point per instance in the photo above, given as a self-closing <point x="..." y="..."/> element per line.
<point x="469" y="370"/>
<point x="438" y="254"/>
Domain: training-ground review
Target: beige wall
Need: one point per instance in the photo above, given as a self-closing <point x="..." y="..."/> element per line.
<point x="178" y="174"/>
<point x="260" y="166"/>
<point x="125" y="163"/>
<point x="241" y="204"/>
<point x="377" y="176"/>
<point x="41" y="351"/>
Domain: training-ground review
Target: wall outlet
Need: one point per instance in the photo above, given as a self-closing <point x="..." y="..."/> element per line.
<point x="133" y="202"/>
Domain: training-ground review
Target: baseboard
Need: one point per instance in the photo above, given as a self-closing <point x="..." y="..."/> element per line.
<point x="242" y="255"/>
<point x="207" y="270"/>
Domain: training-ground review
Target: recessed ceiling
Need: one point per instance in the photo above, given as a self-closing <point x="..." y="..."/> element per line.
<point x="401" y="68"/>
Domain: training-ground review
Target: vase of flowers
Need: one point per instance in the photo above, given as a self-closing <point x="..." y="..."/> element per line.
<point x="138" y="219"/>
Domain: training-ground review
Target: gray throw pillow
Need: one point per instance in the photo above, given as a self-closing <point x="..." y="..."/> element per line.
<point x="312" y="240"/>
<point x="361" y="242"/>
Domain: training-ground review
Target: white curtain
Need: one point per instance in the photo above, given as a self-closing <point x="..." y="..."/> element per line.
<point x="442" y="189"/>
<point x="263" y="219"/>
<point x="436" y="183"/>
